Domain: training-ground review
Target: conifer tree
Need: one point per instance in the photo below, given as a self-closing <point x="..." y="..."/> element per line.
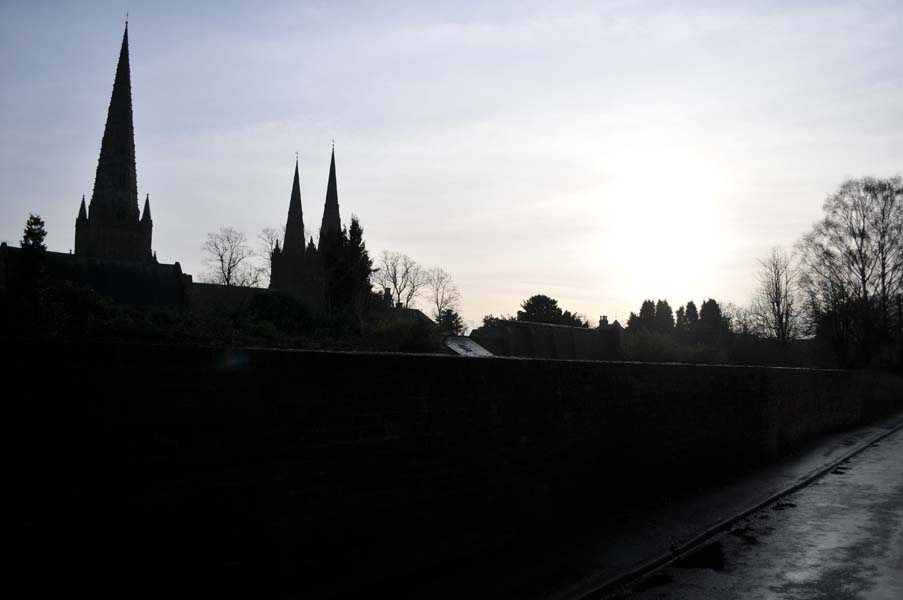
<point x="664" y="317"/>
<point x="711" y="322"/>
<point x="33" y="253"/>
<point x="450" y="322"/>
<point x="692" y="315"/>
<point x="346" y="268"/>
<point x="33" y="237"/>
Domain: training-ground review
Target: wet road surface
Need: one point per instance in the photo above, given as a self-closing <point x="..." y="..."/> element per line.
<point x="841" y="537"/>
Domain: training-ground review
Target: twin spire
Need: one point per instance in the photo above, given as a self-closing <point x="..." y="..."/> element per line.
<point x="294" y="226"/>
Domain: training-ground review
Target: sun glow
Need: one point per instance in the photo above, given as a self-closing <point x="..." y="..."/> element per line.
<point x="665" y="226"/>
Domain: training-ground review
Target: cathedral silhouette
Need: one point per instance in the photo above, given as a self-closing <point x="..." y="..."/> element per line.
<point x="114" y="240"/>
<point x="111" y="227"/>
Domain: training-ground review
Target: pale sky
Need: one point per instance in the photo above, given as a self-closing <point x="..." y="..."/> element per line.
<point x="598" y="152"/>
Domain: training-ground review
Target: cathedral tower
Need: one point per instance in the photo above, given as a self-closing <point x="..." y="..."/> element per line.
<point x="332" y="222"/>
<point x="297" y="269"/>
<point x="111" y="226"/>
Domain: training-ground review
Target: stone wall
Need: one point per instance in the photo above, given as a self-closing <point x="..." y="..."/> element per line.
<point x="314" y="471"/>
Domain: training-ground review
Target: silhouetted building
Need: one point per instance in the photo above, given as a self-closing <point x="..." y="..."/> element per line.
<point x="296" y="267"/>
<point x="113" y="254"/>
<point x="505" y="337"/>
<point x="110" y="226"/>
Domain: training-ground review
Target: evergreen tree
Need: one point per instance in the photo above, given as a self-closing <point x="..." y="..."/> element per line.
<point x="633" y="322"/>
<point x="450" y="322"/>
<point x="33" y="237"/>
<point x="680" y="321"/>
<point x="664" y="317"/>
<point x="543" y="309"/>
<point x="711" y="323"/>
<point x="346" y="272"/>
<point x="692" y="315"/>
<point x="33" y="306"/>
<point x="34" y="253"/>
<point x="646" y="318"/>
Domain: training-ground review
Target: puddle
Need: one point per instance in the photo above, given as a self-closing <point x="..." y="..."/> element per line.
<point x="746" y="535"/>
<point x="783" y="506"/>
<point x="709" y="557"/>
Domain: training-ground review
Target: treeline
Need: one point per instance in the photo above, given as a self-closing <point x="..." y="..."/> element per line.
<point x="851" y="273"/>
<point x="715" y="333"/>
<point x="688" y="325"/>
<point x="841" y="284"/>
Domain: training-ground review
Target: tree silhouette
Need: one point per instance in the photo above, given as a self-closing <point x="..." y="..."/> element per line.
<point x="692" y="315"/>
<point x="442" y="293"/>
<point x="775" y="307"/>
<point x="852" y="266"/>
<point x="450" y="322"/>
<point x="402" y="275"/>
<point x="543" y="309"/>
<point x="230" y="259"/>
<point x="347" y="269"/>
<point x="711" y="323"/>
<point x="33" y="236"/>
<point x="680" y="321"/>
<point x="269" y="241"/>
<point x="34" y="252"/>
<point x="644" y="321"/>
<point x="664" y="317"/>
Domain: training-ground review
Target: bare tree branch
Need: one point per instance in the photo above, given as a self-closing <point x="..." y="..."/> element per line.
<point x="404" y="277"/>
<point x="230" y="260"/>
<point x="443" y="294"/>
<point x="775" y="310"/>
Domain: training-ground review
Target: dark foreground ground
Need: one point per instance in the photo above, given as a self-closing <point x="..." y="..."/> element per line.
<point x="841" y="537"/>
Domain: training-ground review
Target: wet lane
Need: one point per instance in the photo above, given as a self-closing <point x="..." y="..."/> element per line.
<point x="841" y="537"/>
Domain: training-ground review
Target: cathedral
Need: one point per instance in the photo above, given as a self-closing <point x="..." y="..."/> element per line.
<point x="110" y="226"/>
<point x="297" y="267"/>
<point x="114" y="255"/>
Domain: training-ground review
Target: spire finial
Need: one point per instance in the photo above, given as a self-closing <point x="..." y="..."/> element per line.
<point x="126" y="20"/>
<point x="333" y="144"/>
<point x="296" y="156"/>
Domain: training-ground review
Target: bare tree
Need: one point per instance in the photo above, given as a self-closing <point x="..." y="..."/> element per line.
<point x="404" y="277"/>
<point x="852" y="260"/>
<point x="269" y="239"/>
<point x="739" y="319"/>
<point x="443" y="293"/>
<point x="887" y="235"/>
<point x="775" y="310"/>
<point x="230" y="259"/>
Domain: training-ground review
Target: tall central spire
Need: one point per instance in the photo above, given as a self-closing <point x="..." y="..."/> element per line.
<point x="110" y="227"/>
<point x="294" y="226"/>
<point x="115" y="197"/>
<point x="332" y="222"/>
